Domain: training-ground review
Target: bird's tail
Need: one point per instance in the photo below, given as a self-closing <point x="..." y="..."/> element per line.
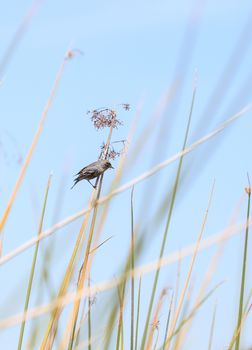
<point x="75" y="182"/>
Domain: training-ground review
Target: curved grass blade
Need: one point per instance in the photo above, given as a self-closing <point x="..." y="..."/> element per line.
<point x="242" y="289"/>
<point x="132" y="277"/>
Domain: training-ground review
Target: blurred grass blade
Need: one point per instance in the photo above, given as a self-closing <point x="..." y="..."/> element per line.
<point x="174" y="192"/>
<point x="120" y="321"/>
<point x="168" y="322"/>
<point x="89" y="318"/>
<point x="238" y="330"/>
<point x="155" y="322"/>
<point x="132" y="277"/>
<point x="246" y="311"/>
<point x="29" y="288"/>
<point x="138" y="311"/>
<point x="212" y="329"/>
<point x="242" y="289"/>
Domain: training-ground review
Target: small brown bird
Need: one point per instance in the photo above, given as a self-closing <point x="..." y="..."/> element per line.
<point x="92" y="171"/>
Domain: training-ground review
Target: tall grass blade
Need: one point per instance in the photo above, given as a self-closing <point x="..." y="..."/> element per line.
<point x="155" y="321"/>
<point x="132" y="278"/>
<point x="167" y="323"/>
<point x="174" y="192"/>
<point x="237" y="344"/>
<point x="245" y="313"/>
<point x="29" y="288"/>
<point x="138" y="311"/>
<point x="212" y="329"/>
<point x="89" y="319"/>
<point x="120" y="321"/>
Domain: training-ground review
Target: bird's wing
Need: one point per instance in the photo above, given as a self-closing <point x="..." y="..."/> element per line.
<point x="85" y="167"/>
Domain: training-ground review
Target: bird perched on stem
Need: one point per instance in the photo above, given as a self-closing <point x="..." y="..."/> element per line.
<point x="92" y="171"/>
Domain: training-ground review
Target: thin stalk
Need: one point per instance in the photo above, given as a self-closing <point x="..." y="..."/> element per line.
<point x="122" y="337"/>
<point x="156" y="342"/>
<point x="138" y="311"/>
<point x="82" y="320"/>
<point x="89" y="318"/>
<point x="246" y="311"/>
<point x="237" y="344"/>
<point x="177" y="285"/>
<point x="184" y="312"/>
<point x="155" y="322"/>
<point x="132" y="268"/>
<point x="168" y="322"/>
<point x="110" y="323"/>
<point x="29" y="288"/>
<point x="174" y="193"/>
<point x="238" y="330"/>
<point x="212" y="329"/>
<point x="120" y="321"/>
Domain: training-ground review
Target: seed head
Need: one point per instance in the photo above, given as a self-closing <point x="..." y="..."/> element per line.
<point x="104" y="117"/>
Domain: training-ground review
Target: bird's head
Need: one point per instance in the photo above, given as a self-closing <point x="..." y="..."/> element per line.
<point x="107" y="164"/>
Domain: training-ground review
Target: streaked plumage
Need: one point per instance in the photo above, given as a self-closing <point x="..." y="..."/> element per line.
<point x="92" y="171"/>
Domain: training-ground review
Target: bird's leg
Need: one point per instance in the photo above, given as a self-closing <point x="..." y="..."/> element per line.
<point x="92" y="184"/>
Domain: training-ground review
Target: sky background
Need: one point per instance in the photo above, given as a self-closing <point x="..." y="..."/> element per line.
<point x="133" y="52"/>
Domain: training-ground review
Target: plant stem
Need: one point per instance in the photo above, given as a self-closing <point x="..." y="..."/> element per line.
<point x="237" y="344"/>
<point x="132" y="268"/>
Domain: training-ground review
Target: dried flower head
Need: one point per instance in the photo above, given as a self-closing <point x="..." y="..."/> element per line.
<point x="104" y="117"/>
<point x="111" y="153"/>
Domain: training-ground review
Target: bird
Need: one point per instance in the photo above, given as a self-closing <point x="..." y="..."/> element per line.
<point x="92" y="171"/>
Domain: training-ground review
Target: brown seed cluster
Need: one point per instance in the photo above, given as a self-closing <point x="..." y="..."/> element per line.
<point x="104" y="117"/>
<point x="112" y="153"/>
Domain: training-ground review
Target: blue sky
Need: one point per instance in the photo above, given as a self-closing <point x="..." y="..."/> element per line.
<point x="132" y="52"/>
